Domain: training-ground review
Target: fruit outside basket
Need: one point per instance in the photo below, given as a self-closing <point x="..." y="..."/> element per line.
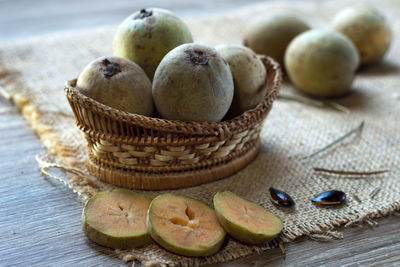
<point x="139" y="152"/>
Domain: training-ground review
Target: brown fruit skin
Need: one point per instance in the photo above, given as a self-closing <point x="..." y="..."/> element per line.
<point x="127" y="89"/>
<point x="148" y="35"/>
<point x="321" y="63"/>
<point x="271" y="35"/>
<point x="112" y="241"/>
<point x="249" y="77"/>
<point x="367" y="29"/>
<point x="193" y="83"/>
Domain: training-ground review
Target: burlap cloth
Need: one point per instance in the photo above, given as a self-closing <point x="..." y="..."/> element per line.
<point x="33" y="72"/>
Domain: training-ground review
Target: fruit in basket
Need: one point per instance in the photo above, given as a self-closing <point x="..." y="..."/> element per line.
<point x="117" y="219"/>
<point x="118" y="83"/>
<point x="193" y="83"/>
<point x="321" y="63"/>
<point x="148" y="35"/>
<point x="249" y="77"/>
<point x="272" y="34"/>
<point x="245" y="220"/>
<point x="184" y="225"/>
<point x="368" y="30"/>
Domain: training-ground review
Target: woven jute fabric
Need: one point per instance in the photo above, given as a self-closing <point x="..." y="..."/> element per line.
<point x="33" y="72"/>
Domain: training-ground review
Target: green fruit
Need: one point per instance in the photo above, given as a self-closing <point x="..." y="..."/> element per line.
<point x="148" y="35"/>
<point x="249" y="77"/>
<point x="245" y="220"/>
<point x="118" y="83"/>
<point x="117" y="219"/>
<point x="368" y="30"/>
<point x="321" y="63"/>
<point x="271" y="35"/>
<point x="193" y="83"/>
<point x="184" y="225"/>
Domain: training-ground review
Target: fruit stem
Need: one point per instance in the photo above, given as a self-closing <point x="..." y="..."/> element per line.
<point x="198" y="57"/>
<point x="110" y="68"/>
<point x="144" y="14"/>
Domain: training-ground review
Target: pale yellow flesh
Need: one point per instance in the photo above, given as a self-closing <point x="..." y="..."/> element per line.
<point x="186" y="222"/>
<point x="118" y="213"/>
<point x="248" y="215"/>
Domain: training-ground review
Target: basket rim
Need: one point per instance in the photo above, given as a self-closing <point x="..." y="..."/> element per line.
<point x="221" y="128"/>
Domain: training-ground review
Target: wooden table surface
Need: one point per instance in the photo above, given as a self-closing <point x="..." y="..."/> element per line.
<point x="40" y="219"/>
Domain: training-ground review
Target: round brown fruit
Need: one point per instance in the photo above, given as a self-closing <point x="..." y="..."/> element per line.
<point x="118" y="83"/>
<point x="193" y="83"/>
<point x="366" y="27"/>
<point x="321" y="63"/>
<point x="148" y="35"/>
<point x="249" y="77"/>
<point x="272" y="34"/>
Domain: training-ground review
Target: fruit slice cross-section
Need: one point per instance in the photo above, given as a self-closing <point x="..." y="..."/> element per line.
<point x="184" y="225"/>
<point x="245" y="220"/>
<point x="117" y="219"/>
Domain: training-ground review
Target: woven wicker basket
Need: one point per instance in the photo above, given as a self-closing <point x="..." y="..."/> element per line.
<point x="140" y="152"/>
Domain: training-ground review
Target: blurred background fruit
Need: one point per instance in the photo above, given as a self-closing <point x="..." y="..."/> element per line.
<point x="321" y="63"/>
<point x="367" y="28"/>
<point x="272" y="33"/>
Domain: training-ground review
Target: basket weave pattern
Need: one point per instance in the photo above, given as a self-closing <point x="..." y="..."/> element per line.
<point x="135" y="151"/>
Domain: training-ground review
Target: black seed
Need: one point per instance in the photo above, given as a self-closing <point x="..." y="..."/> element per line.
<point x="331" y="197"/>
<point x="281" y="198"/>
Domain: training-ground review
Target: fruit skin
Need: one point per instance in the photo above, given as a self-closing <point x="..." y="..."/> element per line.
<point x="249" y="77"/>
<point x="366" y="27"/>
<point x="321" y="63"/>
<point x="118" y="83"/>
<point x="271" y="35"/>
<point x="117" y="242"/>
<point x="236" y="230"/>
<point x="176" y="248"/>
<point x="193" y="83"/>
<point x="146" y="36"/>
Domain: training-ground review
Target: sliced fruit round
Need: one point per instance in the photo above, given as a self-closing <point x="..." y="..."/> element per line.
<point x="184" y="225"/>
<point x="245" y="220"/>
<point x="117" y="219"/>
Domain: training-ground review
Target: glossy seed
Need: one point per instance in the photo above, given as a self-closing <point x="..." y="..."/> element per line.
<point x="281" y="198"/>
<point x="331" y="197"/>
